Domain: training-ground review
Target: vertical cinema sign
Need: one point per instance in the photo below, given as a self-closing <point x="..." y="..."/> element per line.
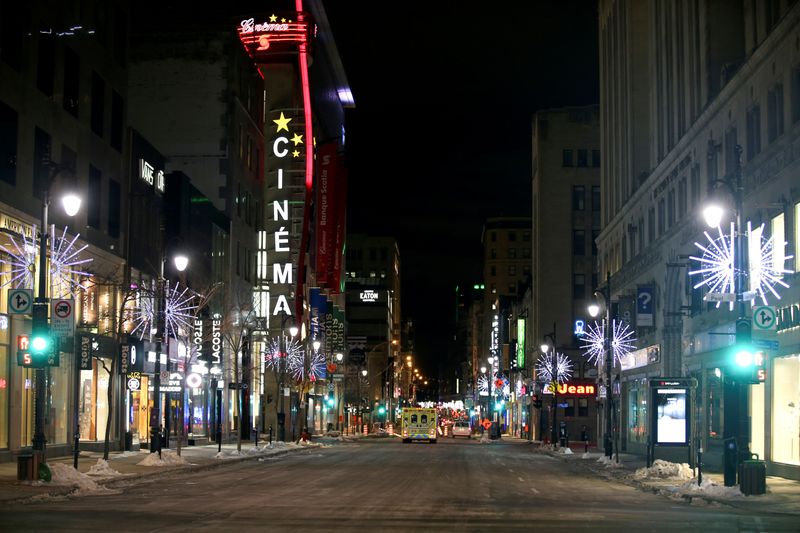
<point x="284" y="150"/>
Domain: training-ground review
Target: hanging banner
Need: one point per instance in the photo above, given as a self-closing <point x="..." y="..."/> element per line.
<point x="339" y="219"/>
<point x="645" y="303"/>
<point x="520" y="343"/>
<point x="325" y="225"/>
<point x="319" y="307"/>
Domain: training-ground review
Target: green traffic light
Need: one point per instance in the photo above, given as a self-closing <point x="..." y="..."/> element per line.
<point x="39" y="344"/>
<point x="381" y="409"/>
<point x="744" y="358"/>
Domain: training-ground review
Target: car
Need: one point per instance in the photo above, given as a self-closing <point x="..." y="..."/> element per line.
<point x="461" y="429"/>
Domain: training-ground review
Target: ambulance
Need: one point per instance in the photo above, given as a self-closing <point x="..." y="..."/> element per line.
<point x="419" y="424"/>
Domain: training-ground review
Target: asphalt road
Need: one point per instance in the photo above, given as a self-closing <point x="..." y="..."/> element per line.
<point x="381" y="485"/>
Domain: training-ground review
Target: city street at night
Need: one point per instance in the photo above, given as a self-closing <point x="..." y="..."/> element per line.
<point x="382" y="484"/>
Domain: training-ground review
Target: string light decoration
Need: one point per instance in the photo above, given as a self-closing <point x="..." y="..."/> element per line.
<point x="623" y="341"/>
<point x="65" y="263"/>
<point x="766" y="265"/>
<point x="274" y="353"/>
<point x="483" y="385"/>
<point x="179" y="307"/>
<point x="552" y="367"/>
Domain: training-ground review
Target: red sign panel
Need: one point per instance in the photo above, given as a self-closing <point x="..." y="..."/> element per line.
<point x="23" y="342"/>
<point x="276" y="33"/>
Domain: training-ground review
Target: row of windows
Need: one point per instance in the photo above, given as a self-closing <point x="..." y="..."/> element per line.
<point x="512" y="253"/>
<point x="357" y="254"/>
<point x="582" y="159"/>
<point x="579" y="286"/>
<point x="512" y="270"/>
<point x="579" y="242"/>
<point x="579" y="198"/>
<point x="512" y="236"/>
<point x="372" y="274"/>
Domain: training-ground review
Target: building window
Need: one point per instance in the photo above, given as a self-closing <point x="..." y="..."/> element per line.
<point x="72" y="76"/>
<point x="46" y="64"/>
<point x="493" y="270"/>
<point x="512" y="270"/>
<point x="526" y="270"/>
<point x="512" y="288"/>
<point x="114" y="201"/>
<point x="566" y="158"/>
<point x="578" y="198"/>
<point x="596" y="158"/>
<point x="578" y="286"/>
<point x="583" y="407"/>
<point x="8" y="144"/>
<point x="526" y="236"/>
<point x="98" y="103"/>
<point x="493" y="236"/>
<point x="95" y="197"/>
<point x="640" y="234"/>
<point x="569" y="409"/>
<point x="682" y="202"/>
<point x="42" y="150"/>
<point x="116" y="121"/>
<point x="583" y="157"/>
<point x="731" y="155"/>
<point x="512" y="253"/>
<point x="596" y="198"/>
<point x="512" y="236"/>
<point x="662" y="218"/>
<point x="493" y="253"/>
<point x="775" y="112"/>
<point x="11" y="32"/>
<point x="753" y="132"/>
<point x="578" y="242"/>
<point x="651" y="226"/>
<point x="526" y="253"/>
<point x="671" y="208"/>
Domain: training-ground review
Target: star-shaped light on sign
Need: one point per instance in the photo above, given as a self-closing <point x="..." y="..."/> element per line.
<point x="273" y="18"/>
<point x="295" y="154"/>
<point x="297" y="139"/>
<point x="282" y="122"/>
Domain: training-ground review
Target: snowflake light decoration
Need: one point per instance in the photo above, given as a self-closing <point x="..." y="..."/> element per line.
<point x="483" y="385"/>
<point x="622" y="341"/>
<point x="766" y="265"/>
<point x="274" y="353"/>
<point x="65" y="263"/>
<point x="554" y="367"/>
<point x="316" y="366"/>
<point x="179" y="307"/>
<point x="22" y="262"/>
<point x="765" y="272"/>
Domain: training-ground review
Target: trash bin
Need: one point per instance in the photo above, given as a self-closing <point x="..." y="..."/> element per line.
<point x="730" y="460"/>
<point x="128" y="441"/>
<point x="25" y="468"/>
<point x="754" y="477"/>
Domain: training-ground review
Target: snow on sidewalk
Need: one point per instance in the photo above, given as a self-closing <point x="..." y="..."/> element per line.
<point x="664" y="470"/>
<point x="101" y="469"/>
<point x="168" y="458"/>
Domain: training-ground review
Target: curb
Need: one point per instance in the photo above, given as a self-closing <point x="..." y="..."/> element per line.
<point x="67" y="491"/>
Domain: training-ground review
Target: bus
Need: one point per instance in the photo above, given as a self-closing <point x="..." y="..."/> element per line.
<point x="419" y="424"/>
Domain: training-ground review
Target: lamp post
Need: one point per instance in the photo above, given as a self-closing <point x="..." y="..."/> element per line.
<point x="594" y="311"/>
<point x="282" y="371"/>
<point x="181" y="262"/>
<point x="713" y="214"/>
<point x="71" y="203"/>
<point x="343" y="391"/>
<point x="554" y="384"/>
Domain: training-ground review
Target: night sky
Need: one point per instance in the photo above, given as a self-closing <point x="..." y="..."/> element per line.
<point x="444" y="99"/>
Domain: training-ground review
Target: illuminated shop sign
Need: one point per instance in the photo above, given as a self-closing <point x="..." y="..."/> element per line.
<point x="369" y="296"/>
<point x="151" y="176"/>
<point x="576" y="389"/>
<point x="275" y="33"/>
<point x="639" y="358"/>
<point x="216" y="339"/>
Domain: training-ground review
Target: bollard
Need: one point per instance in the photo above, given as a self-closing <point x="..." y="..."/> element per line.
<point x="270" y="435"/>
<point x="255" y="432"/>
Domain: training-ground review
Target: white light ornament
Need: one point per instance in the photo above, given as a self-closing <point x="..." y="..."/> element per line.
<point x="65" y="263"/>
<point x="483" y="385"/>
<point x="766" y="266"/>
<point x="179" y="308"/>
<point x="623" y="341"/>
<point x="554" y="366"/>
<point x="273" y="355"/>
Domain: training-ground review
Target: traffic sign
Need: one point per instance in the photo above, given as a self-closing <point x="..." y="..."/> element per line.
<point x="766" y="345"/>
<point x="20" y="301"/>
<point x="764" y="318"/>
<point x="62" y="317"/>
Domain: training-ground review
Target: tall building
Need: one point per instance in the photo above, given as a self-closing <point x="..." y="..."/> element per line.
<point x="692" y="96"/>
<point x="63" y="125"/>
<point x="566" y="222"/>
<point x="373" y="315"/>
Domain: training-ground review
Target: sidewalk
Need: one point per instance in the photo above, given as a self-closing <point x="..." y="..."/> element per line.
<point x="122" y="467"/>
<point x="678" y="481"/>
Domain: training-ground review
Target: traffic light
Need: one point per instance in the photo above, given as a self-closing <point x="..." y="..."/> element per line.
<point x="41" y="342"/>
<point x="329" y="401"/>
<point x="381" y="410"/>
<point x="743" y="354"/>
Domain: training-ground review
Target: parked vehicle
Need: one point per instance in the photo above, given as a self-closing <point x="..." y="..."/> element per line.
<point x="461" y="429"/>
<point x="419" y="424"/>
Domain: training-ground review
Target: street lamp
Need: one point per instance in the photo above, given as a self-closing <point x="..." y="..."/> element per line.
<point x="545" y="347"/>
<point x="41" y="324"/>
<point x="181" y="262"/>
<point x="594" y="311"/>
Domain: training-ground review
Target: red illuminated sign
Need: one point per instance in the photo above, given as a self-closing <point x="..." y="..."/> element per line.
<point x="573" y="388"/>
<point x="23" y="342"/>
<point x="278" y="33"/>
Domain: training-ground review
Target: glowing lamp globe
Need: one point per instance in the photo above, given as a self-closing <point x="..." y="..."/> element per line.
<point x="713" y="215"/>
<point x="594" y="310"/>
<point x="544" y="347"/>
<point x="181" y="262"/>
<point x="293" y="331"/>
<point x="71" y="203"/>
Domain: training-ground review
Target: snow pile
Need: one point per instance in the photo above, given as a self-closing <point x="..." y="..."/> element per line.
<point x="664" y="470"/>
<point x="333" y="434"/>
<point x="123" y="454"/>
<point x="586" y="456"/>
<point x="101" y="469"/>
<point x="609" y="462"/>
<point x="65" y="475"/>
<point x="709" y="488"/>
<point x="485" y="438"/>
<point x="168" y="458"/>
<point x="566" y="451"/>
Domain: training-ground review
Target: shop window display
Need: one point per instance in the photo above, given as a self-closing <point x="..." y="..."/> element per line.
<point x="637" y="415"/>
<point x="714" y="403"/>
<point x="93" y="401"/>
<point x="786" y="410"/>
